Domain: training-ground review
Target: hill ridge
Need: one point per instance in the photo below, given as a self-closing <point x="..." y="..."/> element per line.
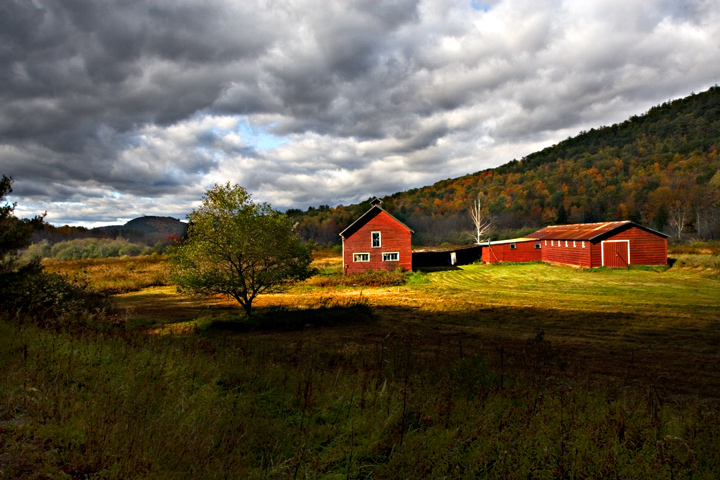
<point x="653" y="168"/>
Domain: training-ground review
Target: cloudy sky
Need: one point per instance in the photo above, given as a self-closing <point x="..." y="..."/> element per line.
<point x="112" y="110"/>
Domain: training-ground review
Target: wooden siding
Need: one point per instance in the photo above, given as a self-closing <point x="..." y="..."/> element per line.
<point x="395" y="237"/>
<point x="524" y="252"/>
<point x="565" y="252"/>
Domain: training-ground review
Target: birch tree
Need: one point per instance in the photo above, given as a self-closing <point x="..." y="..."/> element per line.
<point x="481" y="218"/>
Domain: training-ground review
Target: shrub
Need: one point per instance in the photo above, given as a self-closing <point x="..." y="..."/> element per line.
<point x="50" y="300"/>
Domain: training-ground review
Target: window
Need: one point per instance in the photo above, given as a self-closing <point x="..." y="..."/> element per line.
<point x="574" y="244"/>
<point x="375" y="239"/>
<point x="513" y="246"/>
<point x="566" y="243"/>
<point x="546" y="243"/>
<point x="537" y="245"/>
<point x="583" y="244"/>
<point x="361" y="257"/>
<point x="391" y="257"/>
<point x="552" y="243"/>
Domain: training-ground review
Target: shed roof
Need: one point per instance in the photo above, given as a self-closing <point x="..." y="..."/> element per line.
<point x="374" y="211"/>
<point x="511" y="240"/>
<point x="586" y="231"/>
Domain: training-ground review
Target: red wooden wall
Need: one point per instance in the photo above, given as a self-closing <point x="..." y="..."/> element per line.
<point x="567" y="252"/>
<point x="524" y="252"/>
<point x="394" y="237"/>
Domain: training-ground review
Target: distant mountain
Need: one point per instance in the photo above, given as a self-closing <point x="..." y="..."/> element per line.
<point x="660" y="169"/>
<point x="148" y="228"/>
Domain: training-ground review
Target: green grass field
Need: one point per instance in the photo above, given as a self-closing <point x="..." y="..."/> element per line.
<point x="483" y="371"/>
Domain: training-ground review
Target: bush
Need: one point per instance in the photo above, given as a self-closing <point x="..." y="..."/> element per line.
<point x="51" y="301"/>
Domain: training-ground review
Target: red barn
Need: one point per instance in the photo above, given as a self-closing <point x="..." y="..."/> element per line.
<point x="376" y="241"/>
<point x="606" y="244"/>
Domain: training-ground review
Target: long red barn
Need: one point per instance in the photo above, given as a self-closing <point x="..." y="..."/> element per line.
<point x="376" y="241"/>
<point x="608" y="244"/>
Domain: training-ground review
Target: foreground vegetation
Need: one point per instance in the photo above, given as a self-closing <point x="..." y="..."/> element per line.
<point x="96" y="405"/>
<point x="484" y="371"/>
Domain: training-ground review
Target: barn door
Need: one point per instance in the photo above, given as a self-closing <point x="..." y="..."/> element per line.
<point x="616" y="253"/>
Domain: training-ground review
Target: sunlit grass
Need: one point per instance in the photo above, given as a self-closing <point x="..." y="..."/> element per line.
<point x="114" y="275"/>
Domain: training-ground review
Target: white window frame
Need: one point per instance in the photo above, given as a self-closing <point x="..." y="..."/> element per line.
<point x="397" y="254"/>
<point x="513" y="246"/>
<point x="583" y="244"/>
<point x="538" y="246"/>
<point x="574" y="244"/>
<point x="552" y="243"/>
<point x="372" y="239"/>
<point x="566" y="244"/>
<point x="546" y="243"/>
<point x="356" y="257"/>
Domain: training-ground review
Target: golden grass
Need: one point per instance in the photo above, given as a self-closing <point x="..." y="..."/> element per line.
<point x="114" y="275"/>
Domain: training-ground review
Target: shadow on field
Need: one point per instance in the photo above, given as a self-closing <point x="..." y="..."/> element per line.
<point x="660" y="353"/>
<point x="286" y="319"/>
<point x="667" y="353"/>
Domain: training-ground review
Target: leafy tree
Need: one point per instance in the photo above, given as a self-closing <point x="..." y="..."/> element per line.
<point x="15" y="233"/>
<point x="239" y="248"/>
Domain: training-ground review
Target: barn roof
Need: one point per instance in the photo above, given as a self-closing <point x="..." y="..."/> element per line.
<point x="374" y="211"/>
<point x="511" y="240"/>
<point x="586" y="231"/>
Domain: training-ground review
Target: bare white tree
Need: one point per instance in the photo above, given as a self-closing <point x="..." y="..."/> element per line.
<point x="482" y="220"/>
<point x="678" y="217"/>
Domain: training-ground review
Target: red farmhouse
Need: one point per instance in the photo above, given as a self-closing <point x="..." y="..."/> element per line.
<point x="376" y="241"/>
<point x="607" y="244"/>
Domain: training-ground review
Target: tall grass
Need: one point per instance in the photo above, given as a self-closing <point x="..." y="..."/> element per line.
<point x="114" y="275"/>
<point x="129" y="405"/>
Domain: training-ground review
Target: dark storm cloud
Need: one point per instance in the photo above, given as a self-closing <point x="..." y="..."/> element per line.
<point x="141" y="105"/>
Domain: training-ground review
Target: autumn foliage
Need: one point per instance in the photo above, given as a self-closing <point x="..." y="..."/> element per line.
<point x="660" y="169"/>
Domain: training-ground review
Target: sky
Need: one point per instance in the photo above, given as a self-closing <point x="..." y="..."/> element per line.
<point x="110" y="110"/>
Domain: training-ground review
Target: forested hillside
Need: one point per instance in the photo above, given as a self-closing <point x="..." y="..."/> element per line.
<point x="660" y="169"/>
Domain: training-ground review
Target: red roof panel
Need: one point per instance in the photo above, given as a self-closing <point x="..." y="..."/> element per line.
<point x="579" y="231"/>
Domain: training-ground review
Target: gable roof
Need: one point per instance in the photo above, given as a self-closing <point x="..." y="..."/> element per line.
<point x="374" y="211"/>
<point x="587" y="231"/>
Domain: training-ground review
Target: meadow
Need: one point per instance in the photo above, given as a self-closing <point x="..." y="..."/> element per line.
<point x="480" y="371"/>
